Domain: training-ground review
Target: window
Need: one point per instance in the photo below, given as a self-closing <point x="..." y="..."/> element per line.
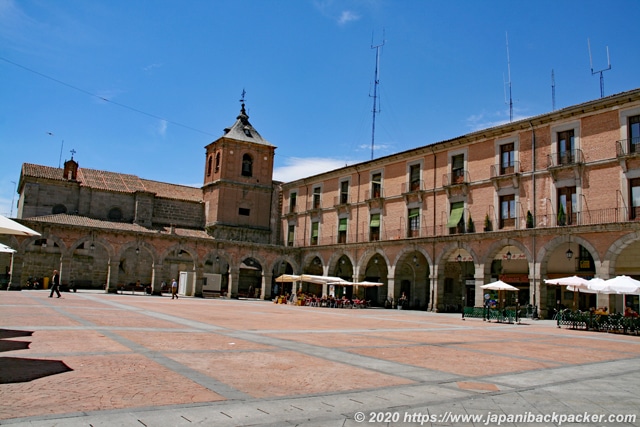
<point x="374" y="227"/>
<point x="59" y="209"/>
<point x="342" y="230"/>
<point x="456" y="218"/>
<point x="115" y="214"/>
<point x="566" y="149"/>
<point x="316" y="198"/>
<point x="457" y="169"/>
<point x="634" y="134"/>
<point x="247" y="165"/>
<point x="344" y="192"/>
<point x="414" y="177"/>
<point x="209" y="161"/>
<point x="217" y="162"/>
<point x="314" y="233"/>
<point x="293" y="197"/>
<point x="507" y="211"/>
<point x="376" y="185"/>
<point x="244" y="211"/>
<point x="414" y="222"/>
<point x="634" y="197"/>
<point x="291" y="234"/>
<point x="567" y="205"/>
<point x="507" y="160"/>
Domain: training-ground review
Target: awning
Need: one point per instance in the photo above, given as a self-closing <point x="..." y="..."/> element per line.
<point x="288" y="278"/>
<point x="375" y="220"/>
<point x="456" y="215"/>
<point x="342" y="226"/>
<point x="414" y="213"/>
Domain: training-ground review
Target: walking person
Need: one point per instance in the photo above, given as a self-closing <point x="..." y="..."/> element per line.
<point x="55" y="284"/>
<point x="174" y="289"/>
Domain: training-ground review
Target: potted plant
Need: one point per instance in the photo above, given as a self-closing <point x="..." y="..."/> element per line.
<point x="529" y="219"/>
<point x="471" y="228"/>
<point x="562" y="217"/>
<point x="487" y="223"/>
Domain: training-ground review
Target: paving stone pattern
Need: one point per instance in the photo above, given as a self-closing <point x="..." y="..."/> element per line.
<point x="95" y="359"/>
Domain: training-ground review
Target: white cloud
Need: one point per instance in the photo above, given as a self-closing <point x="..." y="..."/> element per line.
<point x="162" y="128"/>
<point x="297" y="168"/>
<point x="347" y="16"/>
<point x="150" y="67"/>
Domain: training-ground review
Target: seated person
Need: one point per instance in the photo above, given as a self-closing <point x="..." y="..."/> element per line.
<point x="629" y="312"/>
<point x="403" y="300"/>
<point x="602" y="310"/>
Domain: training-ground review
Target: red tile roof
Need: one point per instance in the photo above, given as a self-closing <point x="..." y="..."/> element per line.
<point x="114" y="181"/>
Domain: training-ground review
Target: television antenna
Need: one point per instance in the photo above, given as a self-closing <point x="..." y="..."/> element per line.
<point x="553" y="91"/>
<point x="601" y="71"/>
<point x="376" y="82"/>
<point x="510" y="103"/>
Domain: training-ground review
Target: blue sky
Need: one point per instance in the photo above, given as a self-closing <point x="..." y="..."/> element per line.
<point x="141" y="86"/>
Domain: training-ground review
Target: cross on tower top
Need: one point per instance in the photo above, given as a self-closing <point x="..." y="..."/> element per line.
<point x="72" y="153"/>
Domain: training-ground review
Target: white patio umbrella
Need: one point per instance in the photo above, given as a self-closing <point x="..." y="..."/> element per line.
<point x="575" y="281"/>
<point x="622" y="285"/>
<point x="499" y="286"/>
<point x="8" y="250"/>
<point x="8" y="226"/>
<point x="594" y="286"/>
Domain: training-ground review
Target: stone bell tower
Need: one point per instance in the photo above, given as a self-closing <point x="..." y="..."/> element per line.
<point x="238" y="188"/>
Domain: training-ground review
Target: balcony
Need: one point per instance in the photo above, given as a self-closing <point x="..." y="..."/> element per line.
<point x="456" y="180"/>
<point x="570" y="160"/>
<point x="291" y="211"/>
<point x="413" y="190"/>
<point x="627" y="149"/>
<point x="374" y="197"/>
<point x="502" y="175"/>
<point x="342" y="203"/>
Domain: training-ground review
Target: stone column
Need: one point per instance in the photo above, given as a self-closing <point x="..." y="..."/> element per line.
<point x="391" y="289"/>
<point x="156" y="285"/>
<point x="112" y="277"/>
<point x="65" y="271"/>
<point x="265" y="288"/>
<point x="234" y="280"/>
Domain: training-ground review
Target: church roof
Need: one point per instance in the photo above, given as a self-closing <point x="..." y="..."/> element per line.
<point x="114" y="181"/>
<point x="242" y="130"/>
<point x="83" y="221"/>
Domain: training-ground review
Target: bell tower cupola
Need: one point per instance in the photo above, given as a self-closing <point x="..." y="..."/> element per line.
<point x="238" y="186"/>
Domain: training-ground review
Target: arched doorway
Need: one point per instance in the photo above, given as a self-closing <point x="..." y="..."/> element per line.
<point x="344" y="270"/>
<point x="412" y="279"/>
<point x="89" y="267"/>
<point x="250" y="277"/>
<point x="459" y="282"/>
<point x="376" y="271"/>
<point x="215" y="281"/>
<point x="282" y="288"/>
<point x="314" y="267"/>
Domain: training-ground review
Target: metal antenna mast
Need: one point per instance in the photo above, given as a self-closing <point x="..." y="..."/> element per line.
<point x="601" y="71"/>
<point x="376" y="82"/>
<point x="509" y="82"/>
<point x="553" y="91"/>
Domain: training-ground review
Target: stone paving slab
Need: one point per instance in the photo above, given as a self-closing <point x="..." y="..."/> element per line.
<point x="129" y="360"/>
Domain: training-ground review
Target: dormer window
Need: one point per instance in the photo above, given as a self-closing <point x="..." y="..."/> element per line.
<point x="247" y="132"/>
<point x="247" y="165"/>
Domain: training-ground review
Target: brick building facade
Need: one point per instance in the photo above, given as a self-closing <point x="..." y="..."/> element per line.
<point x="553" y="195"/>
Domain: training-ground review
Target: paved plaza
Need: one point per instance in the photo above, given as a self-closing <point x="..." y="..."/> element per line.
<point x="92" y="359"/>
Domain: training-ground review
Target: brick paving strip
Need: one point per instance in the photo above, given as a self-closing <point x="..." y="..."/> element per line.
<point x="97" y="359"/>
